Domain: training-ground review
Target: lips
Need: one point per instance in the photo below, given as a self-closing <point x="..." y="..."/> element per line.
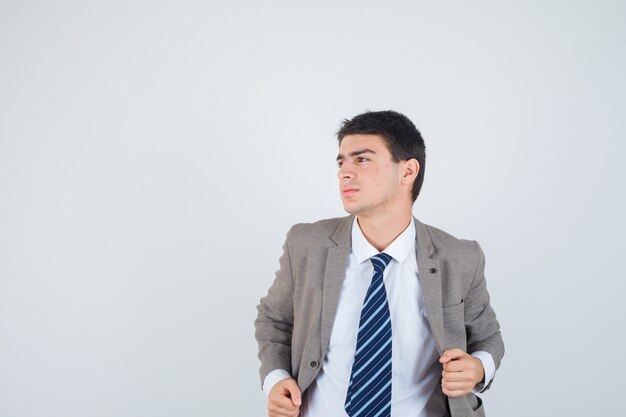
<point x="348" y="191"/>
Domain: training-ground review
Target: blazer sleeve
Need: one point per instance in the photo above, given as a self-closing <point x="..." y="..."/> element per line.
<point x="481" y="325"/>
<point x="274" y="322"/>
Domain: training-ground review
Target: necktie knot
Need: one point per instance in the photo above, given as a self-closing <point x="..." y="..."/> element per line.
<point x="380" y="261"/>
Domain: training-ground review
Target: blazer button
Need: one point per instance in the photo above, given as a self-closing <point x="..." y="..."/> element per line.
<point x="313" y="364"/>
<point x="433" y="270"/>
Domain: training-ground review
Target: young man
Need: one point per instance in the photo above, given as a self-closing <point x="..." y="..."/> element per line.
<point x="377" y="314"/>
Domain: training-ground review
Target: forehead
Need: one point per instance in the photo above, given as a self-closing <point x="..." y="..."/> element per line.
<point x="351" y="143"/>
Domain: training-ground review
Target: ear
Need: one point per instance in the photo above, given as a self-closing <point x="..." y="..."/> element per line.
<point x="410" y="170"/>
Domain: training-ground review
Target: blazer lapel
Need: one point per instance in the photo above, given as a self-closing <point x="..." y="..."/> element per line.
<point x="334" y="276"/>
<point x="430" y="281"/>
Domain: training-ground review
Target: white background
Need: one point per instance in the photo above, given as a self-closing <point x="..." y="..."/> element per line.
<point x="154" y="154"/>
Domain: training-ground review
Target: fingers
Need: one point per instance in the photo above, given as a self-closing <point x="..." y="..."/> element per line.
<point x="293" y="390"/>
<point x="458" y="365"/>
<point x="454" y="377"/>
<point x="461" y="372"/>
<point x="456" y="384"/>
<point x="454" y="390"/>
<point x="285" y="399"/>
<point x="469" y="365"/>
<point x="283" y="413"/>
<point x="282" y="403"/>
<point x="452" y="354"/>
<point x="282" y="408"/>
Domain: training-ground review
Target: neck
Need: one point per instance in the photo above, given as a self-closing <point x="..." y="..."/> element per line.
<point x="380" y="231"/>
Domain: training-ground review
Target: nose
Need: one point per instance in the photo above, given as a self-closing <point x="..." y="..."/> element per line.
<point x="345" y="172"/>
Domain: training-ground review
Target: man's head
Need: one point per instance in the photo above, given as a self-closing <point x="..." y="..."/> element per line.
<point x="381" y="158"/>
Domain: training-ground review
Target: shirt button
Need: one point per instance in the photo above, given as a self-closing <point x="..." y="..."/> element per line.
<point x="433" y="270"/>
<point x="313" y="364"/>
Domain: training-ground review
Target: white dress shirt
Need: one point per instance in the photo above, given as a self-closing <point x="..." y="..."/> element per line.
<point x="416" y="369"/>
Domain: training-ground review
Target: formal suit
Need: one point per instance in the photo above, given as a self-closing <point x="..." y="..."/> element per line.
<point x="295" y="319"/>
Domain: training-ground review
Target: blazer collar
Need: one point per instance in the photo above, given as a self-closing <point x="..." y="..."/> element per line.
<point x="343" y="234"/>
<point x="425" y="247"/>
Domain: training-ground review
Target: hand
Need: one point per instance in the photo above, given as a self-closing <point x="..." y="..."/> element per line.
<point x="461" y="372"/>
<point x="285" y="399"/>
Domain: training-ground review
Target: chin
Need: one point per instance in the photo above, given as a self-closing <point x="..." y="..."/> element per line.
<point x="348" y="209"/>
<point x="352" y="209"/>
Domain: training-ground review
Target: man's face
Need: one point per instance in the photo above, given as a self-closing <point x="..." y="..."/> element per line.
<point x="369" y="181"/>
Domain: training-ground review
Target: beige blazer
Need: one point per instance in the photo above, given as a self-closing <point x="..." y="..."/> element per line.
<point x="296" y="316"/>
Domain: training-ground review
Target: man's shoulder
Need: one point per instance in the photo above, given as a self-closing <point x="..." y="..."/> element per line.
<point x="322" y="229"/>
<point x="442" y="236"/>
<point x="446" y="244"/>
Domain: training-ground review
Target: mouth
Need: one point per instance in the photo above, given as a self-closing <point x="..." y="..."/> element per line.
<point x="348" y="191"/>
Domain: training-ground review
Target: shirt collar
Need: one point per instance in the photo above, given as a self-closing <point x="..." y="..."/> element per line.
<point x="398" y="249"/>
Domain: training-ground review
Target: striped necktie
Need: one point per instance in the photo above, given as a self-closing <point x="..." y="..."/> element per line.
<point x="369" y="390"/>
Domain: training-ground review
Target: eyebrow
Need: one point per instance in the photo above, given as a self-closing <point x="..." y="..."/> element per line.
<point x="355" y="153"/>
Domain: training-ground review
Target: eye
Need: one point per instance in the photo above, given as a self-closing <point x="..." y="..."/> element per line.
<point x="362" y="159"/>
<point x="339" y="163"/>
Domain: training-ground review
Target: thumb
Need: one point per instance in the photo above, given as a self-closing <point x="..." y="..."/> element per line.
<point x="294" y="392"/>
<point x="451" y="354"/>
